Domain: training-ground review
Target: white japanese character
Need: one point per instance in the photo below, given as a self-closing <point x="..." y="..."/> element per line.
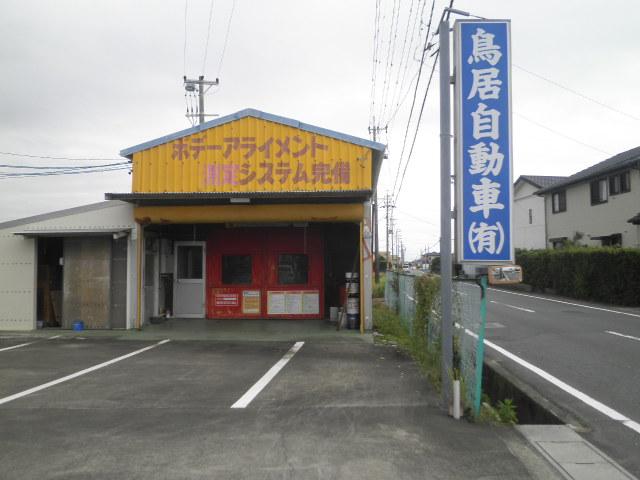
<point x="486" y="197"/>
<point x="485" y="83"/>
<point x="486" y="122"/>
<point x="485" y="161"/>
<point x="484" y="48"/>
<point x="483" y="238"/>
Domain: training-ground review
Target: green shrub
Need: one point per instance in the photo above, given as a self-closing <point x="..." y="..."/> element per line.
<point x="605" y="274"/>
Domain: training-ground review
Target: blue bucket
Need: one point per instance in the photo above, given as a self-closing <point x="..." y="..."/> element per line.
<point x="78" y="325"/>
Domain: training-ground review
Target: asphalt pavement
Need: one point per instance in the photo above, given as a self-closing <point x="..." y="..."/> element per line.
<point x="126" y="406"/>
<point x="588" y="356"/>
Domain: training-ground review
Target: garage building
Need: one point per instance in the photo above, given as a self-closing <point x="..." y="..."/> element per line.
<point x="247" y="216"/>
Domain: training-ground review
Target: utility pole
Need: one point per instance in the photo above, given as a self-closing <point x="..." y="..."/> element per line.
<point x="446" y="284"/>
<point x="376" y="252"/>
<point x="388" y="206"/>
<point x="201" y="83"/>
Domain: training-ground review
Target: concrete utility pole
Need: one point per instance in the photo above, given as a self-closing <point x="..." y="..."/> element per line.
<point x="376" y="245"/>
<point x="388" y="206"/>
<point x="446" y="283"/>
<point x="190" y="86"/>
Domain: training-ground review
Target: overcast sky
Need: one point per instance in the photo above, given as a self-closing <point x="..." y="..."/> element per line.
<point x="87" y="79"/>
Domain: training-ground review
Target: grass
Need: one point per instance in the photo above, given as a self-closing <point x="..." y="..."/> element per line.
<point x="378" y="287"/>
<point x="392" y="331"/>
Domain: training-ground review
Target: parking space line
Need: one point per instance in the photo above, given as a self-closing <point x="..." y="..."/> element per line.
<point x="253" y="392"/>
<point x="54" y="337"/>
<point x="78" y="374"/>
<point x="15" y="346"/>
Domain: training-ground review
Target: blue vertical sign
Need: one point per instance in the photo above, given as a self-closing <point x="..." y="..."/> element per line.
<point x="483" y="148"/>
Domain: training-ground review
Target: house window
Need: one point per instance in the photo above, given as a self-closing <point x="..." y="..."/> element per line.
<point x="620" y="183"/>
<point x="559" y="200"/>
<point x="236" y="269"/>
<point x="558" y="242"/>
<point x="530" y="216"/>
<point x="599" y="191"/>
<point x="614" y="240"/>
<point x="293" y="269"/>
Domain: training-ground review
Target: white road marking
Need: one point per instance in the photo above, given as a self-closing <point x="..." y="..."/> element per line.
<point x="253" y="392"/>
<point x="54" y="337"/>
<point x="15" y="346"/>
<point x="592" y="402"/>
<point x="24" y="393"/>
<point x="567" y="303"/>
<point x="513" y="306"/>
<point x="622" y="335"/>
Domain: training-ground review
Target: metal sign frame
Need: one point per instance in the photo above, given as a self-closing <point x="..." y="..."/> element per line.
<point x="484" y="156"/>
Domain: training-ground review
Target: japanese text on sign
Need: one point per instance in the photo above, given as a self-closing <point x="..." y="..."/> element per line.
<point x="484" y="150"/>
<point x="273" y="161"/>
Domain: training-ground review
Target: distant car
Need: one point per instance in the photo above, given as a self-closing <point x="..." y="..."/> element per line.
<point x="406" y="267"/>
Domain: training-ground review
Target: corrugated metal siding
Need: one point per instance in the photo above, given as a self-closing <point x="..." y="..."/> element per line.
<point x="240" y="155"/>
<point x="17" y="282"/>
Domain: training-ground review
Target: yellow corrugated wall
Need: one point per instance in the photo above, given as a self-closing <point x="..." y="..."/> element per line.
<point x="252" y="155"/>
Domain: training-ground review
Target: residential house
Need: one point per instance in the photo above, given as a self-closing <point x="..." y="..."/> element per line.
<point x="598" y="206"/>
<point x="528" y="211"/>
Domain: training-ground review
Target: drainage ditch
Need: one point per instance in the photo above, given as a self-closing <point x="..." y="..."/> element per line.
<point x="531" y="408"/>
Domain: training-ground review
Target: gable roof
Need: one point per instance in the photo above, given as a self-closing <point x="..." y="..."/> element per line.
<point x="250" y="112"/>
<point x="540" y="181"/>
<point x="617" y="162"/>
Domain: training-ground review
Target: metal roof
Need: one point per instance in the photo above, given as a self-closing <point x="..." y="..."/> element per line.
<point x="540" y="181"/>
<point x="58" y="214"/>
<point x="250" y="112"/>
<point x="617" y="162"/>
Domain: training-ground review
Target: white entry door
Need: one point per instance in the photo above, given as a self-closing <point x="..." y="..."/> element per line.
<point x="189" y="279"/>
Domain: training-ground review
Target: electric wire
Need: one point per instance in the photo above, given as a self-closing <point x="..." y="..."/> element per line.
<point x="5" y="175"/>
<point x="560" y="134"/>
<point x="424" y="100"/>
<point x="575" y="92"/>
<point x="184" y="51"/>
<point x="48" y="157"/>
<point x="226" y="38"/>
<point x="374" y="68"/>
<point x="391" y="47"/>
<point x="404" y="59"/>
<point x="58" y="167"/>
<point x="206" y="44"/>
<point x="415" y="94"/>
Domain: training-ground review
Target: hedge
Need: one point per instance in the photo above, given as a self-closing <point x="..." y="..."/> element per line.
<point x="605" y="274"/>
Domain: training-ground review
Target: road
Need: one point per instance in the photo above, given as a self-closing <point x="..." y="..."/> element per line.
<point x="588" y="360"/>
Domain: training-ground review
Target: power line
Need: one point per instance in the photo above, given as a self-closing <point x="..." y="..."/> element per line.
<point x="415" y="94"/>
<point x="67" y="167"/>
<point x="61" y="172"/>
<point x="424" y="100"/>
<point x="575" y="92"/>
<point x="226" y="37"/>
<point x="14" y="154"/>
<point x="374" y="68"/>
<point x="560" y="134"/>
<point x="206" y="45"/>
<point x="400" y="81"/>
<point x="391" y="53"/>
<point x="184" y="52"/>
